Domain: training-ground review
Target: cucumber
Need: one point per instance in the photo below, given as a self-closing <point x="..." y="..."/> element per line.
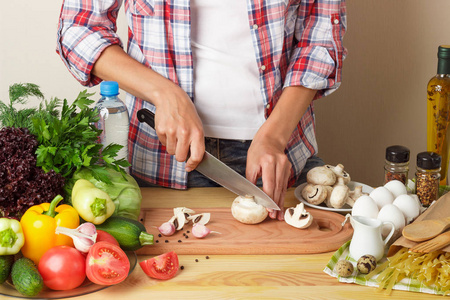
<point x="26" y="278"/>
<point x="130" y="233"/>
<point x="6" y="262"/>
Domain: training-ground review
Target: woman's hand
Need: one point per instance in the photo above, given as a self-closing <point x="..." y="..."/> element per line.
<point x="177" y="123"/>
<point x="178" y="126"/>
<point x="266" y="157"/>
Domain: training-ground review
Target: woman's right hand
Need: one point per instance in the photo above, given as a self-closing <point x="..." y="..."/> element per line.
<point x="177" y="123"/>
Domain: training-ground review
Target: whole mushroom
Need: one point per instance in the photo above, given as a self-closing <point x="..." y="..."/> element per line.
<point x="247" y="211"/>
<point x="321" y="176"/>
<point x="338" y="170"/>
<point x="315" y="194"/>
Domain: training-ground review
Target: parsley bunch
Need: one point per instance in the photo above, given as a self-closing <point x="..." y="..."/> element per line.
<point x="67" y="140"/>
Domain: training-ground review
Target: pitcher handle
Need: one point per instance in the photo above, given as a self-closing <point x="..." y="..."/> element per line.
<point x="391" y="233"/>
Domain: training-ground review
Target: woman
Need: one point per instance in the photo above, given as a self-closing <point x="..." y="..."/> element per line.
<point x="243" y="74"/>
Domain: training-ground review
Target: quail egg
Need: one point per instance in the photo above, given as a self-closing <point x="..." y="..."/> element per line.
<point x="344" y="268"/>
<point x="366" y="264"/>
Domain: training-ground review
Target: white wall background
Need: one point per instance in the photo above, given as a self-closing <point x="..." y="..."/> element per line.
<point x="392" y="48"/>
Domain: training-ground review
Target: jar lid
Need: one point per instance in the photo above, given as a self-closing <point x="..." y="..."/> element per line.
<point x="109" y="88"/>
<point x="397" y="154"/>
<point x="428" y="160"/>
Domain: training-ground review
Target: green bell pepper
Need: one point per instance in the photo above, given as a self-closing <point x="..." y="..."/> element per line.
<point x="92" y="204"/>
<point x="11" y="236"/>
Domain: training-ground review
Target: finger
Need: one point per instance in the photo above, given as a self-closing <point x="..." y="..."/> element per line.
<point x="197" y="150"/>
<point x="268" y="179"/>
<point x="182" y="147"/>
<point x="171" y="142"/>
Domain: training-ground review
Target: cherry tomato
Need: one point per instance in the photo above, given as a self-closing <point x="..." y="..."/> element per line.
<point x="107" y="264"/>
<point x="103" y="236"/>
<point x="164" y="266"/>
<point x="62" y="268"/>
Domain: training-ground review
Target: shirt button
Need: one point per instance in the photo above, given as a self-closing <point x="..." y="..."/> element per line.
<point x="336" y="21"/>
<point x="255" y="26"/>
<point x="268" y="106"/>
<point x="263" y="67"/>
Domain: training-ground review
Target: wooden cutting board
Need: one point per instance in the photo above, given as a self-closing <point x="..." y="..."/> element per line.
<point x="269" y="237"/>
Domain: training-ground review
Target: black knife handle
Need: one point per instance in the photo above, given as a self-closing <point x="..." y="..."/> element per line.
<point x="146" y="116"/>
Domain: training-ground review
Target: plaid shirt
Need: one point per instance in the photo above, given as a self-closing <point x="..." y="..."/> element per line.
<point x="296" y="42"/>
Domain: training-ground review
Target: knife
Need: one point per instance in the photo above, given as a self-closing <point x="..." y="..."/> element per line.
<point x="219" y="172"/>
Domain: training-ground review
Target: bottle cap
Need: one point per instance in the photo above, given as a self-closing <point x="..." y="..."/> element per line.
<point x="444" y="51"/>
<point x="109" y="88"/>
<point x="428" y="160"/>
<point x="397" y="154"/>
<point x="443" y="59"/>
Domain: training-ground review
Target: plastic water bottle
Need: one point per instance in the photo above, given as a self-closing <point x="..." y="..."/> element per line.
<point x="114" y="120"/>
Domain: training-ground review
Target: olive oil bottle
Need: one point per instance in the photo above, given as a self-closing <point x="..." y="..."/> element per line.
<point x="438" y="111"/>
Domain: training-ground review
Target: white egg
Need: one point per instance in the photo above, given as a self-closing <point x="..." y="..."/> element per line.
<point x="409" y="206"/>
<point x="396" y="187"/>
<point x="382" y="196"/>
<point x="391" y="213"/>
<point x="365" y="206"/>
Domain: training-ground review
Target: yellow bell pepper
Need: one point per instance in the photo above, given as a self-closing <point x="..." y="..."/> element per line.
<point x="39" y="223"/>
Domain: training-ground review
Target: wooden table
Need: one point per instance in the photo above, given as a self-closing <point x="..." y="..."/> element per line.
<point x="238" y="276"/>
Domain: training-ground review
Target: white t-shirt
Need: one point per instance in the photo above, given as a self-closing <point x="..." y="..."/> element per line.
<point x="226" y="77"/>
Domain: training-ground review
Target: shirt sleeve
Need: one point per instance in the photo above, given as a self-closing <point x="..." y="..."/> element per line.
<point x="85" y="29"/>
<point x="316" y="60"/>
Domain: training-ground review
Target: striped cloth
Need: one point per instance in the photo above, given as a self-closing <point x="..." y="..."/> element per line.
<point x="407" y="284"/>
<point x="296" y="42"/>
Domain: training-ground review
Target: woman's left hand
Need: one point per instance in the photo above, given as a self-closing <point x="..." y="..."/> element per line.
<point x="266" y="159"/>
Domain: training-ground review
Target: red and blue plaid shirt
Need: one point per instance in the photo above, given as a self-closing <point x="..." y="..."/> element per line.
<point x="296" y="42"/>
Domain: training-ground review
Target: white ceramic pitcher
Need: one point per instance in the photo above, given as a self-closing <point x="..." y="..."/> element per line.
<point x="367" y="237"/>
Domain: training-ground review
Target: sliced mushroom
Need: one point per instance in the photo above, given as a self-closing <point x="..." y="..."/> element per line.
<point x="298" y="217"/>
<point x="202" y="218"/>
<point x="314" y="194"/>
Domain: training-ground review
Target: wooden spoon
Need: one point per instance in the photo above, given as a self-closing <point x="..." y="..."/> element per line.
<point x="434" y="244"/>
<point x="425" y="230"/>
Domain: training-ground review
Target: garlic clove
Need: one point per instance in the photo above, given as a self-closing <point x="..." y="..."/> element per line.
<point x="167" y="228"/>
<point x="200" y="231"/>
<point x="82" y="241"/>
<point x="87" y="228"/>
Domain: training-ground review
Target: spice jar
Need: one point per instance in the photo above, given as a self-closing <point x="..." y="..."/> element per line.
<point x="396" y="164"/>
<point x="427" y="177"/>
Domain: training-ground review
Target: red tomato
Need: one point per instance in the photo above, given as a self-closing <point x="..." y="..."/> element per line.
<point x="62" y="268"/>
<point x="164" y="266"/>
<point x="103" y="236"/>
<point x="107" y="264"/>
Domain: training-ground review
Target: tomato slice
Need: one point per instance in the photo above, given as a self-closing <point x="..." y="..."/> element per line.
<point x="164" y="266"/>
<point x="107" y="264"/>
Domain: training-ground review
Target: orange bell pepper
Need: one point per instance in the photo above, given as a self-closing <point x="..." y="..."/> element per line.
<point x="39" y="223"/>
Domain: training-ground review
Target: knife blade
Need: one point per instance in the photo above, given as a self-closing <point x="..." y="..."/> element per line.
<point x="219" y="172"/>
